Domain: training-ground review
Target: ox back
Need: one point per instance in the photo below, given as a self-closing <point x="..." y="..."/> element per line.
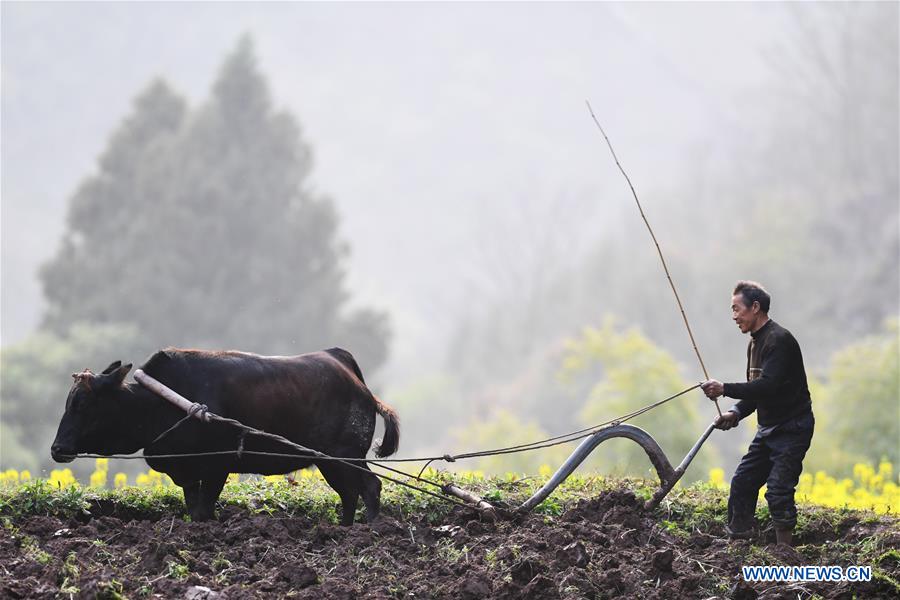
<point x="314" y="400"/>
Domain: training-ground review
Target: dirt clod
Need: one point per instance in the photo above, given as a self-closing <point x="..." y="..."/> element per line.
<point x="743" y="591"/>
<point x="474" y="586"/>
<point x="526" y="570"/>
<point x="540" y="587"/>
<point x="573" y="555"/>
<point x="662" y="560"/>
<point x="201" y="592"/>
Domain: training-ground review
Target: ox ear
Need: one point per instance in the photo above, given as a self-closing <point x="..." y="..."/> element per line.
<point x="112" y="367"/>
<point x="116" y="376"/>
<point x="121" y="373"/>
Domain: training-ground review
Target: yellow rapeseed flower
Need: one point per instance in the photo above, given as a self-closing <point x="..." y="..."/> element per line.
<point x="717" y="478"/>
<point x="9" y="477"/>
<point x="62" y="478"/>
<point x="98" y="479"/>
<point x="154" y="479"/>
<point x="870" y="489"/>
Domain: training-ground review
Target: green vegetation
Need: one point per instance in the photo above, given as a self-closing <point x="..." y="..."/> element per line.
<point x="858" y="410"/>
<point x="308" y="496"/>
<point x="699" y="506"/>
<point x="69" y="572"/>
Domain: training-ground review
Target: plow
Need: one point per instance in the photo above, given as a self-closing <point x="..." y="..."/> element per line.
<point x="668" y="476"/>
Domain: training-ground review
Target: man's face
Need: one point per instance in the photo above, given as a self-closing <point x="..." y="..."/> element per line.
<point x="745" y="316"/>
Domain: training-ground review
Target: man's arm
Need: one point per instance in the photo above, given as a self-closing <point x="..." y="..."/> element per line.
<point x="744" y="408"/>
<point x="775" y="365"/>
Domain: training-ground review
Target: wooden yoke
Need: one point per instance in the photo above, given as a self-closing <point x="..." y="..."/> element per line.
<point x="191" y="408"/>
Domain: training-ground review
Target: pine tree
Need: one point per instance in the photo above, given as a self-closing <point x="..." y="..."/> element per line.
<point x="200" y="228"/>
<point x="102" y="213"/>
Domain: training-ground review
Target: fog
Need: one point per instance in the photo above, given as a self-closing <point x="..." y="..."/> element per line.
<point x="424" y="118"/>
<point x="456" y="145"/>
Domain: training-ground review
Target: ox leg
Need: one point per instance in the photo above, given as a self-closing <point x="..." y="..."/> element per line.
<point x="371" y="493"/>
<point x="343" y="481"/>
<point x="191" y="497"/>
<point x="210" y="488"/>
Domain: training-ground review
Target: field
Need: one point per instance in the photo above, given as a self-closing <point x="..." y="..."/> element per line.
<point x="279" y="538"/>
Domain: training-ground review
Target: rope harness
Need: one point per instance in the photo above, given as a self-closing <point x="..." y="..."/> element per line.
<point x="195" y="408"/>
<point x="202" y="412"/>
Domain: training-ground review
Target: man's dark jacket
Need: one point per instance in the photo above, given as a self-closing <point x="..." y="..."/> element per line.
<point x="776" y="380"/>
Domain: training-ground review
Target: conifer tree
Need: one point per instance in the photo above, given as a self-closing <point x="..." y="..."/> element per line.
<point x="201" y="229"/>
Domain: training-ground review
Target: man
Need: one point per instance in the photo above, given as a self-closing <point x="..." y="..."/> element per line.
<point x="776" y="388"/>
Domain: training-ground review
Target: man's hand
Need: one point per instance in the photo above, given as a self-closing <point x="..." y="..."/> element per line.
<point x="712" y="388"/>
<point x="728" y="420"/>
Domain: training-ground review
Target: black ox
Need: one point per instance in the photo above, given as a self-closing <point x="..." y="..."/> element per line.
<point x="318" y="400"/>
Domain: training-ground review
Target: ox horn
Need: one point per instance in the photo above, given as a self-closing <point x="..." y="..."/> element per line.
<point x="85" y="375"/>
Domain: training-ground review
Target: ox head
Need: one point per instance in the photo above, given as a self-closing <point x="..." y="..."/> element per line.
<point x="92" y="421"/>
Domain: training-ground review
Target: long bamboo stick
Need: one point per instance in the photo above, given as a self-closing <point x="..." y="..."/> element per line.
<point x="658" y="249"/>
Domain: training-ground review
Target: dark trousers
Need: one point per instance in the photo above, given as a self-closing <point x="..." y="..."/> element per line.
<point x="776" y="460"/>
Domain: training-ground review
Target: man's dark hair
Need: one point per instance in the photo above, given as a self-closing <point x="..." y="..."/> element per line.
<point x="753" y="292"/>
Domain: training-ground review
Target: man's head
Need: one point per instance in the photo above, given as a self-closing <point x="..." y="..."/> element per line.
<point x="749" y="305"/>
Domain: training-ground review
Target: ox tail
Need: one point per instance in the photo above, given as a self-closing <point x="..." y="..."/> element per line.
<point x="391" y="440"/>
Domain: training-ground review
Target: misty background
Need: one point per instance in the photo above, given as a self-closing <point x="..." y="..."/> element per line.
<point x="423" y="185"/>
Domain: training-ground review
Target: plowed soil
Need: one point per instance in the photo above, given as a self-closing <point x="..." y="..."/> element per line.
<point x="607" y="547"/>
